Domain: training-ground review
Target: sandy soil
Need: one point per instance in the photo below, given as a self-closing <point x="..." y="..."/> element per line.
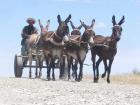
<point x="24" y="91"/>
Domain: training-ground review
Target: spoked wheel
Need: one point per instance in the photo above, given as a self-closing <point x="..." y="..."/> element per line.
<point x="18" y="66"/>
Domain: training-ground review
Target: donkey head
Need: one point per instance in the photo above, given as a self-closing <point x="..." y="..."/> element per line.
<point x="76" y="30"/>
<point x="44" y="30"/>
<point x="63" y="29"/>
<point x="117" y="29"/>
<point x="88" y="33"/>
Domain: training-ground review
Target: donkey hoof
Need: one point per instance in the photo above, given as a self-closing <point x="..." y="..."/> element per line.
<point x="53" y="79"/>
<point x="40" y="75"/>
<point x="48" y="78"/>
<point x="103" y="75"/>
<point x="108" y="81"/>
<point x="78" y="80"/>
<point x="30" y="76"/>
<point x="95" y="80"/>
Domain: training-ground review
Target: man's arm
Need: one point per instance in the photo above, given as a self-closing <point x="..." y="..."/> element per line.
<point x="24" y="33"/>
<point x="35" y="31"/>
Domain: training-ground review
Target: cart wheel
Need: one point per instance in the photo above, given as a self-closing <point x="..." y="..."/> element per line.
<point x="18" y="66"/>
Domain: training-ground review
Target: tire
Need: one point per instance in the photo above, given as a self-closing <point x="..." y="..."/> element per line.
<point x="18" y="66"/>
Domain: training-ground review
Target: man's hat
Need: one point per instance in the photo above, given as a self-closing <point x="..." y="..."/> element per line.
<point x="30" y="20"/>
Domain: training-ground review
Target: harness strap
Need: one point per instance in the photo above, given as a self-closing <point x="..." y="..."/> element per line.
<point x="55" y="43"/>
<point x="101" y="45"/>
<point x="57" y="36"/>
<point x="89" y="29"/>
<point x="36" y="41"/>
<point x="51" y="35"/>
<point x="76" y="29"/>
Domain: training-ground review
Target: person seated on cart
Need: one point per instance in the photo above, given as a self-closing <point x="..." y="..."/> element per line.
<point x="26" y="32"/>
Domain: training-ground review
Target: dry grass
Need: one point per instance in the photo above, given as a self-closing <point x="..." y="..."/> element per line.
<point x="127" y="78"/>
<point x="121" y="78"/>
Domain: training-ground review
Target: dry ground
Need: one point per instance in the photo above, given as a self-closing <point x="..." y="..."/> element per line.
<point x="133" y="79"/>
<point x="24" y="91"/>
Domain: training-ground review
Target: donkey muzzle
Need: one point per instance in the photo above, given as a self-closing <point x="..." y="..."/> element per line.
<point x="65" y="38"/>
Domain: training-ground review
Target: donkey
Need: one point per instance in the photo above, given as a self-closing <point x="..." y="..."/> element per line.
<point x="75" y="30"/>
<point x="54" y="43"/>
<point x="106" y="48"/>
<point x="44" y="31"/>
<point x="79" y="51"/>
<point x="33" y="53"/>
<point x="75" y="37"/>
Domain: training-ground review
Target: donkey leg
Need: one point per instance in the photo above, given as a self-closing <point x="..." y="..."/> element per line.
<point x="97" y="68"/>
<point x="36" y="72"/>
<point x="41" y="59"/>
<point x="94" y="66"/>
<point x="30" y="73"/>
<point x="73" y="70"/>
<point x="75" y="67"/>
<point x="53" y="74"/>
<point x="30" y="64"/>
<point x="109" y="70"/>
<point x="40" y="67"/>
<point x="62" y="65"/>
<point x="61" y="71"/>
<point x="48" y="74"/>
<point x="69" y="70"/>
<point x="80" y="76"/>
<point x="105" y="67"/>
<point x="48" y="70"/>
<point x="69" y="67"/>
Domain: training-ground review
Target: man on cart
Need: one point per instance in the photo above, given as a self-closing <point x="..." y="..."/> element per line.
<point x="26" y="33"/>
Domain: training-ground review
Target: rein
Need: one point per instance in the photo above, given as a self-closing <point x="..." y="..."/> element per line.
<point x="36" y="41"/>
<point x="55" y="43"/>
<point x="57" y="36"/>
<point x="89" y="29"/>
<point x="76" y="29"/>
<point x="51" y="35"/>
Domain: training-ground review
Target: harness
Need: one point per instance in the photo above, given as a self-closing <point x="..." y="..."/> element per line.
<point x="36" y="41"/>
<point x="90" y="29"/>
<point x="54" y="42"/>
<point x="105" y="45"/>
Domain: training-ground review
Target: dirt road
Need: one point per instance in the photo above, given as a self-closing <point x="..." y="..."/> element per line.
<point x="24" y="91"/>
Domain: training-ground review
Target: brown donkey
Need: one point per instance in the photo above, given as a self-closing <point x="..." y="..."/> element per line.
<point x="54" y="43"/>
<point x="75" y="38"/>
<point x="44" y="31"/>
<point x="106" y="48"/>
<point x="79" y="51"/>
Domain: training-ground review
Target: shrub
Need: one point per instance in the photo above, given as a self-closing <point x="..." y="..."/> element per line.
<point x="136" y="72"/>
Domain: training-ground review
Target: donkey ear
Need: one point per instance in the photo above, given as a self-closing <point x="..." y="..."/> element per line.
<point x="121" y="21"/>
<point x="92" y="24"/>
<point x="83" y="24"/>
<point x="72" y="25"/>
<point x="48" y="23"/>
<point x="80" y="27"/>
<point x="113" y="20"/>
<point x="41" y="26"/>
<point x="68" y="18"/>
<point x="59" y="19"/>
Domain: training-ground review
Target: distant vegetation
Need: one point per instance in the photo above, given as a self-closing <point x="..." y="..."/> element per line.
<point x="124" y="78"/>
<point x="136" y="72"/>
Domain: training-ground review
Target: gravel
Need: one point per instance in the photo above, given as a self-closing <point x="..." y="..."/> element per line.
<point x="24" y="91"/>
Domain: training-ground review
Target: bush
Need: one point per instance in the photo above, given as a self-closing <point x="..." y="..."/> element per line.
<point x="136" y="72"/>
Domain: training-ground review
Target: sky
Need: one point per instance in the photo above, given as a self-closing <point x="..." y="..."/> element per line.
<point x="15" y="12"/>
